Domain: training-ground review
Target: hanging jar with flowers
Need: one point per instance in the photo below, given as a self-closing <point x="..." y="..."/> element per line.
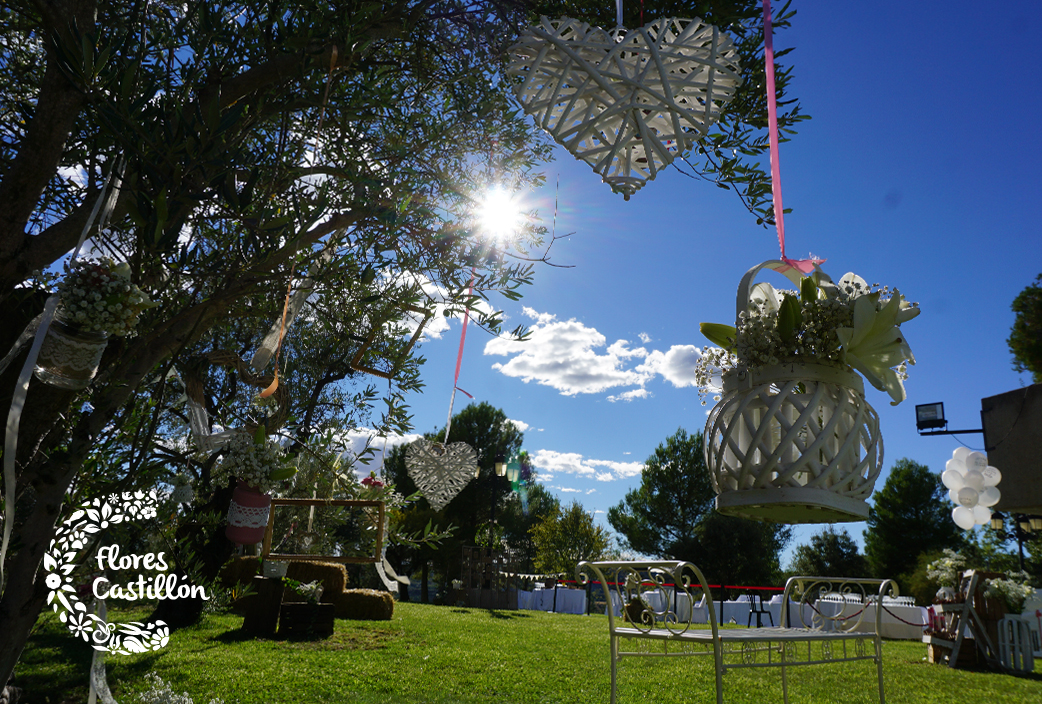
<point x="96" y="299"/>
<point x="792" y="438"/>
<point x="259" y="465"/>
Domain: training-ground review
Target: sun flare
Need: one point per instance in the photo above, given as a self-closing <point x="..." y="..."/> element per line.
<point x="500" y="213"/>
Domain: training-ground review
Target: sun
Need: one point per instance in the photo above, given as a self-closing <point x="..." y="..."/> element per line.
<point x="499" y="213"/>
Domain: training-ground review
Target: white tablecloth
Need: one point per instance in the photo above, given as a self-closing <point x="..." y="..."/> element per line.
<point x="569" y="601"/>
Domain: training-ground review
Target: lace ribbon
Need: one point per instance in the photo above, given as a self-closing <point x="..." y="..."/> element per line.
<point x="241" y="516"/>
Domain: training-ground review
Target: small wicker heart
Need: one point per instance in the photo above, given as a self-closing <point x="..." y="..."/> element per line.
<point x="618" y="99"/>
<point x="441" y="471"/>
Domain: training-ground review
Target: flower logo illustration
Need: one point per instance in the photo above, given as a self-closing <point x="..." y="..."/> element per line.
<point x="60" y="561"/>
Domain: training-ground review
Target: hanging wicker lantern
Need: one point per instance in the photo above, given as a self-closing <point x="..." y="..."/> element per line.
<point x="794" y="442"/>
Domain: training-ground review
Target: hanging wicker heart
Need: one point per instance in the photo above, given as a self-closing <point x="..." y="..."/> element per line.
<point x="441" y="471"/>
<point x="625" y="102"/>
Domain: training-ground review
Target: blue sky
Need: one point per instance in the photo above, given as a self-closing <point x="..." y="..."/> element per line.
<point x="919" y="170"/>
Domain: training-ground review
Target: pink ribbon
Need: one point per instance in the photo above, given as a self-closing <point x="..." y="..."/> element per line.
<point x="804" y="266"/>
<point x="459" y="359"/>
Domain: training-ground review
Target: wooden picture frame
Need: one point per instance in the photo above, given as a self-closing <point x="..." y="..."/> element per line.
<point x="376" y="556"/>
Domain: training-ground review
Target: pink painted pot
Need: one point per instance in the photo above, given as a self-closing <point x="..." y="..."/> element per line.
<point x="247" y="515"/>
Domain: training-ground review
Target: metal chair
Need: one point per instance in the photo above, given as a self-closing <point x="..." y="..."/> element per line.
<point x="757" y="607"/>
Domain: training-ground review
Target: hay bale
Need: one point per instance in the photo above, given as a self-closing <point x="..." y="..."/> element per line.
<point x="332" y="575"/>
<point x="364" y="605"/>
<point x="239" y="570"/>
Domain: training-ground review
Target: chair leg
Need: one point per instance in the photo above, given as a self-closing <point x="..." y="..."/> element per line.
<point x="784" y="679"/>
<point x="879" y="668"/>
<point x="614" y="662"/>
<point x="719" y="660"/>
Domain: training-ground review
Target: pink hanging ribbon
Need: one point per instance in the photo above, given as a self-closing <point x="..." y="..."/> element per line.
<point x="803" y="265"/>
<point x="462" y="339"/>
<point x="459" y="360"/>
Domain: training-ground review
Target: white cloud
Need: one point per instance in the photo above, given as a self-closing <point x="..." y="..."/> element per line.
<point x="358" y="439"/>
<point x="630" y="395"/>
<point x="567" y="490"/>
<point x="519" y="424"/>
<point x="576" y="359"/>
<point x="573" y="463"/>
<point x="591" y="491"/>
<point x="562" y="355"/>
<point x="677" y="364"/>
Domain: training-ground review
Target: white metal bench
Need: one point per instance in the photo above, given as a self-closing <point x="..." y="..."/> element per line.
<point x="817" y="626"/>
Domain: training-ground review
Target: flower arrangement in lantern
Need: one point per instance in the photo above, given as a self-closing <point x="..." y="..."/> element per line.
<point x="259" y="465"/>
<point x="96" y="299"/>
<point x="793" y="439"/>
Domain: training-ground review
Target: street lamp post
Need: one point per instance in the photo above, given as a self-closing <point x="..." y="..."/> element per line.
<point x="511" y="470"/>
<point x="1023" y="529"/>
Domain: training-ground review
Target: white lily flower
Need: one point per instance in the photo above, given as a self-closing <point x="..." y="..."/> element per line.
<point x="875" y="344"/>
<point x="853" y="285"/>
<point x="764" y="293"/>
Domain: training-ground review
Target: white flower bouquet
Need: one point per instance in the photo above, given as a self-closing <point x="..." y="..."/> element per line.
<point x="1012" y="591"/>
<point x="849" y="324"/>
<point x="98" y="295"/>
<point x="257" y="460"/>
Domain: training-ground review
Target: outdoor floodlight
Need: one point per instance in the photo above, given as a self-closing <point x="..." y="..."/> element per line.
<point x="929" y="416"/>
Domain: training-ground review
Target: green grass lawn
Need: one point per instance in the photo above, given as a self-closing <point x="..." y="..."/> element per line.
<point x="443" y="654"/>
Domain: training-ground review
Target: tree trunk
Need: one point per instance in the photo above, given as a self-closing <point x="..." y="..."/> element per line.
<point x="25" y="590"/>
<point x="210" y="549"/>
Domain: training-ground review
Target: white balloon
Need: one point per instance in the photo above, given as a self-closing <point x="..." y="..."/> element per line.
<point x="974" y="480"/>
<point x="952" y="479"/>
<point x="992" y="476"/>
<point x="960" y="453"/>
<point x="976" y="460"/>
<point x="953" y="494"/>
<point x="989" y="497"/>
<point x="963" y="517"/>
<point x="955" y="466"/>
<point x="968" y="497"/>
<point x="981" y="515"/>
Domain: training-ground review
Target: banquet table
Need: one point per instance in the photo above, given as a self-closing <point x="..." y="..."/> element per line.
<point x="569" y="601"/>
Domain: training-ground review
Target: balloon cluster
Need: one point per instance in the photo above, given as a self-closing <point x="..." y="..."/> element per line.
<point x="971" y="484"/>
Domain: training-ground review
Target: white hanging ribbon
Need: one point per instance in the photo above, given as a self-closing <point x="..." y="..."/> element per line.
<point x="106" y="201"/>
<point x="618" y="13"/>
<point x="279" y="329"/>
<point x="99" y="686"/>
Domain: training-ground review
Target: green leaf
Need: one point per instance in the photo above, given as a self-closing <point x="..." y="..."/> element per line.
<point x="719" y="334"/>
<point x="789" y="318"/>
<point x="808" y="290"/>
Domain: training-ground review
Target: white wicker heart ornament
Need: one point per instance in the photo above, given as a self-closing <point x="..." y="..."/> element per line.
<point x="441" y="471"/>
<point x="626" y="101"/>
